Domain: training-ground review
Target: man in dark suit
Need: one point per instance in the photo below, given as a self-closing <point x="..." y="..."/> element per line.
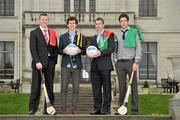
<point x="71" y="65"/>
<point x="101" y="67"/>
<point x="43" y="48"/>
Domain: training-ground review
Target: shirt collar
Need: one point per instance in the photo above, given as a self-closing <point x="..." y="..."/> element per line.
<point x="100" y="33"/>
<point x="72" y="33"/>
<point x="125" y="30"/>
<point x="42" y="28"/>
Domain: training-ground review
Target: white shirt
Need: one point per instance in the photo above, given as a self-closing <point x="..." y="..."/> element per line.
<point x="99" y="36"/>
<point x="42" y="29"/>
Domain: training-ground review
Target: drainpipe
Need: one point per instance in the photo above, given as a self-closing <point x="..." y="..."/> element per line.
<point x="19" y="44"/>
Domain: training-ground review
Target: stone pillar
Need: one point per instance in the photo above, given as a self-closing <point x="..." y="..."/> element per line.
<point x="71" y="5"/>
<point x="87" y="5"/>
<point x="174" y="103"/>
<point x="20" y="43"/>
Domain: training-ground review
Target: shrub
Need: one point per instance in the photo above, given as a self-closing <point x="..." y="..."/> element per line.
<point x="146" y="84"/>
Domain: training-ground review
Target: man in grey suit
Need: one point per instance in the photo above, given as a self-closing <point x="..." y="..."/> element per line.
<point x="127" y="58"/>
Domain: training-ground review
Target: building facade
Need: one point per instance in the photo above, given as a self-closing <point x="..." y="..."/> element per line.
<point x="157" y="19"/>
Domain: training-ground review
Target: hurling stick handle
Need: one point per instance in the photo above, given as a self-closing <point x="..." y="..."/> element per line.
<point x="127" y="94"/>
<point x="42" y="76"/>
<point x="132" y="74"/>
<point x="44" y="86"/>
<point x="45" y="91"/>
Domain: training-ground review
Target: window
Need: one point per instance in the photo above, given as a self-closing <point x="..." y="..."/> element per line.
<point x="147" y="8"/>
<point x="6" y="7"/>
<point x="66" y="5"/>
<point x="92" y="5"/>
<point x="6" y="60"/>
<point x="148" y="65"/>
<point x="79" y="5"/>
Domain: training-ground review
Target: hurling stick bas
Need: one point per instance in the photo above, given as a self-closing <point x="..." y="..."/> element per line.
<point x="50" y="109"/>
<point x="123" y="109"/>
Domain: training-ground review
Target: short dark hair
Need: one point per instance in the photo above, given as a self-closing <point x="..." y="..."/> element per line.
<point x="42" y="14"/>
<point x="124" y="15"/>
<point x="71" y="18"/>
<point x="99" y="19"/>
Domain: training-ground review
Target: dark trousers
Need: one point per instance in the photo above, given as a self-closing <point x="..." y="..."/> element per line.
<point x="101" y="79"/>
<point x="66" y="75"/>
<point x="124" y="68"/>
<point x="36" y="85"/>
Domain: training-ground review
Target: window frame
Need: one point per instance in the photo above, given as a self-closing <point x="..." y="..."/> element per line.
<point x="92" y="5"/>
<point x="79" y="6"/>
<point x="67" y="5"/>
<point x="5" y="74"/>
<point x="148" y="9"/>
<point x="147" y="53"/>
<point x="5" y="11"/>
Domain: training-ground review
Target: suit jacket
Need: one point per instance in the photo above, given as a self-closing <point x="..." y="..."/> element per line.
<point x="40" y="50"/>
<point x="104" y="61"/>
<point x="64" y="41"/>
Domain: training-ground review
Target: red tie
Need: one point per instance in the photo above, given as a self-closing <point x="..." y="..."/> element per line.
<point x="45" y="35"/>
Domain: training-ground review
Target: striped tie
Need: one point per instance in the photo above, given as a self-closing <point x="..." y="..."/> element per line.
<point x="46" y="36"/>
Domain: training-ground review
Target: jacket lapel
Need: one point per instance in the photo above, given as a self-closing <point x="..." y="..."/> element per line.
<point x="75" y="39"/>
<point x="67" y="39"/>
<point x="95" y="41"/>
<point x="42" y="36"/>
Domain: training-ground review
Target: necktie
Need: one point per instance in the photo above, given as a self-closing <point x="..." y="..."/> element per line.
<point x="124" y="33"/>
<point x="46" y="35"/>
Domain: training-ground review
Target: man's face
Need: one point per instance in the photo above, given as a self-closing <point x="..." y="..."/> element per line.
<point x="123" y="22"/>
<point x="99" y="25"/>
<point x="43" y="21"/>
<point x="72" y="25"/>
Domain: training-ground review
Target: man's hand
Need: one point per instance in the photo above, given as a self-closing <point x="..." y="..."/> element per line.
<point x="97" y="55"/>
<point x="135" y="66"/>
<point x="65" y="51"/>
<point x="39" y="66"/>
<point x="78" y="50"/>
<point x="114" y="60"/>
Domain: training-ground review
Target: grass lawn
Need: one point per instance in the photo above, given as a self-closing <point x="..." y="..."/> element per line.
<point x="11" y="103"/>
<point x="151" y="104"/>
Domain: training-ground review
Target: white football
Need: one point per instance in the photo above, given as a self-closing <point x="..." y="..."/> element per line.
<point x="71" y="49"/>
<point x="91" y="51"/>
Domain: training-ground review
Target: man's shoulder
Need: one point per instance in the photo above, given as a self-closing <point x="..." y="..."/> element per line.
<point x="64" y="34"/>
<point x="134" y="29"/>
<point x="35" y="30"/>
<point x="94" y="36"/>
